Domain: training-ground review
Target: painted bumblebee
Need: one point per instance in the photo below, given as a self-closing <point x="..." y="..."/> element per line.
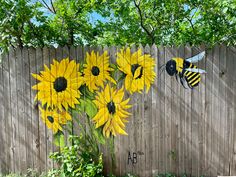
<point x="185" y="71"/>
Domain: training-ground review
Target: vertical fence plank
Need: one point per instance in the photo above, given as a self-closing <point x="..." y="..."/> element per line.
<point x="233" y="163"/>
<point x="187" y="116"/>
<point x="115" y="167"/>
<point x="155" y="91"/>
<point x="72" y="56"/>
<point x="131" y="140"/>
<point x="141" y="104"/>
<point x="43" y="128"/>
<point x="175" y="116"/>
<point x="168" y="114"/>
<point x="50" y="145"/>
<point x="3" y="152"/>
<point x="182" y="131"/>
<point x="27" y="108"/>
<point x="215" y="111"/>
<point x="1" y="117"/>
<point x="223" y="106"/>
<point x="147" y="124"/>
<point x="162" y="157"/>
<point x="202" y="116"/>
<point x="23" y="146"/>
<point x="230" y="107"/>
<point x="40" y="53"/>
<point x="209" y="83"/>
<point x="34" y="111"/>
<point x="7" y="114"/>
<point x="106" y="149"/>
<point x="13" y="108"/>
<point x="195" y="116"/>
<point x="47" y="139"/>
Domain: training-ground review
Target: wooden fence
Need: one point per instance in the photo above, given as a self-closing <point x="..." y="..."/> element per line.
<point x="171" y="129"/>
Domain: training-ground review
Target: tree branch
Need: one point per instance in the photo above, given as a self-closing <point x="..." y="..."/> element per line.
<point x="137" y="5"/>
<point x="46" y="6"/>
<point x="54" y="10"/>
<point x="190" y="21"/>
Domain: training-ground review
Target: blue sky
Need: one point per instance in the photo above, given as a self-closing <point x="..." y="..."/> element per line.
<point x="93" y="17"/>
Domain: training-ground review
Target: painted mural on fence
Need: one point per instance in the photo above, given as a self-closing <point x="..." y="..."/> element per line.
<point x="67" y="88"/>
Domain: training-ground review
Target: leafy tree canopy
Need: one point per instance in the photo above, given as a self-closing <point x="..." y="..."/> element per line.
<point x="67" y="22"/>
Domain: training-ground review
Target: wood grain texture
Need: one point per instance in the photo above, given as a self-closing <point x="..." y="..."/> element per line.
<point x="171" y="129"/>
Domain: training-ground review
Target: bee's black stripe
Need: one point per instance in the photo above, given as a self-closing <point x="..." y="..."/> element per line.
<point x="194" y="79"/>
<point x="191" y="76"/>
<point x="193" y="82"/>
<point x="186" y="73"/>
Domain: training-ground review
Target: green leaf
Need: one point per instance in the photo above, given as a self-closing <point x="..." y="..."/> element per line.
<point x="113" y="66"/>
<point x="59" y="139"/>
<point x="87" y="106"/>
<point x="99" y="136"/>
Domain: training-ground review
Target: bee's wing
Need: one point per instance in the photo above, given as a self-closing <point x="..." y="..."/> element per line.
<point x="196" y="58"/>
<point x="196" y="70"/>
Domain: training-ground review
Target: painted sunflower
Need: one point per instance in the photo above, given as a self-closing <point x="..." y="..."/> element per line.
<point x="138" y="70"/>
<point x="112" y="112"/>
<point x="96" y="70"/>
<point x="58" y="86"/>
<point x="54" y="118"/>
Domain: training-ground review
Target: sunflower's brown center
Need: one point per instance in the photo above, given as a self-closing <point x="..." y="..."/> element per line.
<point x="111" y="107"/>
<point x="50" y="119"/>
<point x="95" y="71"/>
<point x="133" y="69"/>
<point x="60" y="84"/>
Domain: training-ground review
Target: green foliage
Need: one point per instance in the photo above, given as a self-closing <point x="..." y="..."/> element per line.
<point x="130" y="175"/>
<point x="66" y="22"/>
<point x="30" y="173"/>
<point x="171" y="22"/>
<point x="78" y="159"/>
<point x="174" y="175"/>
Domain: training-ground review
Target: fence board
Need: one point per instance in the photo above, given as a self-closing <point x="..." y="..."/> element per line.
<point x="171" y="129"/>
<point x="201" y="111"/>
<point x="230" y="108"/>
<point x="188" y="119"/>
<point x="223" y="106"/>
<point x="155" y="111"/>
<point x="41" y="126"/>
<point x="163" y="156"/>
<point x="175" y="116"/>
<point x="1" y="115"/>
<point x="195" y="114"/>
<point x="20" y="121"/>
<point x="3" y="162"/>
<point x="233" y="169"/>
<point x="181" y="107"/>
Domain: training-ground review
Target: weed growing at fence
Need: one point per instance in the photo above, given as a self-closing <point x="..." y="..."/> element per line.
<point x="78" y="159"/>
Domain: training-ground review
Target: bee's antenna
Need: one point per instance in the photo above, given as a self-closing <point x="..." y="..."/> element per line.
<point x="161" y="69"/>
